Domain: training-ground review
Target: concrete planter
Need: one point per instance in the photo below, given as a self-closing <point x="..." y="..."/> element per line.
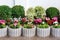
<point x="3" y="32"/>
<point x="29" y="32"/>
<point x="14" y="32"/>
<point x="43" y="32"/>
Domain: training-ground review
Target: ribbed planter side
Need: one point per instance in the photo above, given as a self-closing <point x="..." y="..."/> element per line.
<point x="43" y="32"/>
<point x="3" y="32"/>
<point x="14" y="32"/>
<point x="29" y="32"/>
<point x="56" y="32"/>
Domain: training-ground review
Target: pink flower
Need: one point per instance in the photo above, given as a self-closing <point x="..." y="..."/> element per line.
<point x="15" y="21"/>
<point x="55" y="19"/>
<point x="47" y="18"/>
<point x="39" y="20"/>
<point x="2" y="21"/>
<point x="15" y="24"/>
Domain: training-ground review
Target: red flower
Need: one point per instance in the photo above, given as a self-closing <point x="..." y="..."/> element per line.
<point x="50" y="22"/>
<point x="24" y="20"/>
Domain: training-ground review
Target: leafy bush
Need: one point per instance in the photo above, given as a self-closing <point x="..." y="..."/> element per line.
<point x="52" y="12"/>
<point x="40" y="11"/>
<point x="5" y="12"/>
<point x="30" y="13"/>
<point x="18" y="11"/>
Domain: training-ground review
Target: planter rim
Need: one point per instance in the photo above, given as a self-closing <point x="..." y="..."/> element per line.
<point x="3" y="28"/>
<point x="15" y="28"/>
<point x="29" y="28"/>
<point x="55" y="28"/>
<point x="43" y="28"/>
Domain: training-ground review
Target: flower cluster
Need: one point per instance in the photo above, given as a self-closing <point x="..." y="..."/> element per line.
<point x="51" y="21"/>
<point x="15" y="24"/>
<point x="38" y="20"/>
<point x="27" y="21"/>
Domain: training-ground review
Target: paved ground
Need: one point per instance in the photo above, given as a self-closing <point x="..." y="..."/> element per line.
<point x="26" y="38"/>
